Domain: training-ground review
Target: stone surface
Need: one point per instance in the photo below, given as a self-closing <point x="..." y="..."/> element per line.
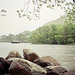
<point x="21" y="66"/>
<point x="56" y="69"/>
<point x="14" y="64"/>
<point x="17" y="69"/>
<point x="30" y="55"/>
<point x="42" y="63"/>
<point x="51" y="60"/>
<point x="70" y="73"/>
<point x="52" y="73"/>
<point x="3" y="74"/>
<point x="3" y="65"/>
<point x="13" y="54"/>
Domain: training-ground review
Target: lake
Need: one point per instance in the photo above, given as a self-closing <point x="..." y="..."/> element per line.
<point x="65" y="54"/>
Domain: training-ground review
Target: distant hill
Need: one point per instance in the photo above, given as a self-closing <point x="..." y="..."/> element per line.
<point x="57" y="21"/>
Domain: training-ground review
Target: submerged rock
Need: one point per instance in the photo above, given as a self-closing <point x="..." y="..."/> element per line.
<point x="21" y="66"/>
<point x="13" y="54"/>
<point x="30" y="55"/>
<point x="51" y="60"/>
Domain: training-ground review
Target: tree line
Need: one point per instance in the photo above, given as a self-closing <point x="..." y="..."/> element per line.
<point x="22" y="37"/>
<point x="54" y="34"/>
<point x="48" y="34"/>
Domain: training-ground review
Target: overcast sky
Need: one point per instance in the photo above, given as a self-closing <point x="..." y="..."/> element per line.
<point x="11" y="23"/>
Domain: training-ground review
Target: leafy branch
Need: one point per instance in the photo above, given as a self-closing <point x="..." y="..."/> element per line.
<point x="32" y="8"/>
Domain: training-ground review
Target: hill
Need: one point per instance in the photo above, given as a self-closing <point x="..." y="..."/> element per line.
<point x="57" y="21"/>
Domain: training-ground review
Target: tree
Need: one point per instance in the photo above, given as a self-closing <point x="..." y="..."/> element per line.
<point x="69" y="33"/>
<point x="22" y="37"/>
<point x="40" y="35"/>
<point x="32" y="8"/>
<point x="3" y="38"/>
<point x="59" y="34"/>
<point x="54" y="34"/>
<point x="10" y="37"/>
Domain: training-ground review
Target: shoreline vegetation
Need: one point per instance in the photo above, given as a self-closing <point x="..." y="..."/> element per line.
<point x="73" y="44"/>
<point x="59" y="31"/>
<point x="31" y="64"/>
<point x="50" y="34"/>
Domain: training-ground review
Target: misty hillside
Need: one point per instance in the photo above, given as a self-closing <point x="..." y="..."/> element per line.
<point x="57" y="21"/>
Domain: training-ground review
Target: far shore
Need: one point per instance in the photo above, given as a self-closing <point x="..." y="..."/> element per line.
<point x="39" y="43"/>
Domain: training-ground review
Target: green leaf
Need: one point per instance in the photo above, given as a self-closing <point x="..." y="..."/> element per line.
<point x="52" y="5"/>
<point x="40" y="4"/>
<point x="21" y="10"/>
<point x="58" y="5"/>
<point x="33" y="2"/>
<point x="30" y="12"/>
<point x="18" y="11"/>
<point x="49" y="0"/>
<point x="47" y="6"/>
<point x="59" y="1"/>
<point x="24" y="15"/>
<point x="19" y="14"/>
<point x="45" y="2"/>
<point x="29" y="19"/>
<point x="37" y="10"/>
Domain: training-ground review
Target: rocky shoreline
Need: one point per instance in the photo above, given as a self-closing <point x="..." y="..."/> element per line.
<point x="31" y="64"/>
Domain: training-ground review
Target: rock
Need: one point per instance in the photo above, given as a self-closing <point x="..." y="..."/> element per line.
<point x="3" y="74"/>
<point x="17" y="69"/>
<point x="70" y="73"/>
<point x="52" y="73"/>
<point x="42" y="63"/>
<point x="13" y="54"/>
<point x="51" y="60"/>
<point x="3" y="65"/>
<point x="56" y="69"/>
<point x="30" y="55"/>
<point x="21" y="66"/>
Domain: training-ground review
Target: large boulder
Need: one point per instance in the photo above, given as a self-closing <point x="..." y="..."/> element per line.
<point x="17" y="69"/>
<point x="30" y="55"/>
<point x="51" y="60"/>
<point x="42" y="63"/>
<point x="21" y="66"/>
<point x="13" y="54"/>
<point x="3" y="65"/>
<point x="56" y="69"/>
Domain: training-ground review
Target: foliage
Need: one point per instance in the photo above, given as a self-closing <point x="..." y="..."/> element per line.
<point x="70" y="11"/>
<point x="22" y="37"/>
<point x="69" y="33"/>
<point x="50" y="34"/>
<point x="54" y="34"/>
<point x="32" y="8"/>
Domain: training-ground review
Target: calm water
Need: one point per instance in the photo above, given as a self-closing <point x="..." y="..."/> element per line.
<point x="65" y="54"/>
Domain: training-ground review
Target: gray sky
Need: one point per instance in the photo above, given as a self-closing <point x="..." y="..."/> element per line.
<point x="11" y="23"/>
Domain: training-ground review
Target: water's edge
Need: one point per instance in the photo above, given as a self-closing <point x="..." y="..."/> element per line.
<point x="65" y="54"/>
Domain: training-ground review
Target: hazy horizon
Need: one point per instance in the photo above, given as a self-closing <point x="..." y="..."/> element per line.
<point x="11" y="23"/>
